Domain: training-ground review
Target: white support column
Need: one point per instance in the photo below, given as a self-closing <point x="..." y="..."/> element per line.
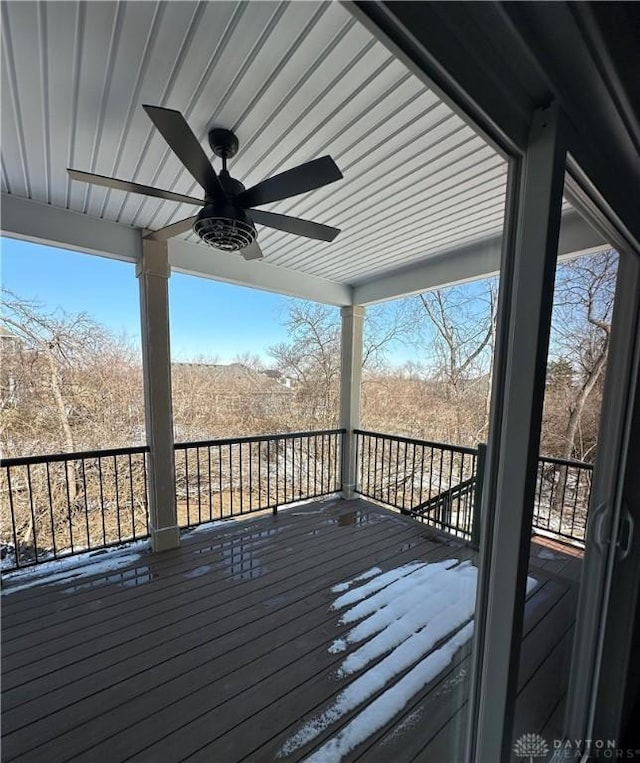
<point x="153" y="274"/>
<point x="525" y="315"/>
<point x="350" y="383"/>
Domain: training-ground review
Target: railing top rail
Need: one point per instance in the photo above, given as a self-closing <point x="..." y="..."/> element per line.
<point x="28" y="460"/>
<point x="413" y="440"/>
<point x="255" y="438"/>
<point x="565" y="462"/>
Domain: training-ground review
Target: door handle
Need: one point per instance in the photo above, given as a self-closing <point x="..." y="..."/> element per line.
<point x="598" y="516"/>
<point x="628" y="522"/>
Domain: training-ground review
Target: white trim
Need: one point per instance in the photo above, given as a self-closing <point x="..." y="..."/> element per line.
<point x="350" y="391"/>
<point x="153" y="276"/>
<point x="200" y="260"/>
<point x="52" y="226"/>
<point x="471" y="263"/>
<point x="165" y="538"/>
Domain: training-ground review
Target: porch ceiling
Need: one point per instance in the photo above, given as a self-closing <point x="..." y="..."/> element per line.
<point x="294" y="81"/>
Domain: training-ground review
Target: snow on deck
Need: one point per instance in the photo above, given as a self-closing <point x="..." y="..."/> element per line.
<point x="68" y="569"/>
<point x="412" y="618"/>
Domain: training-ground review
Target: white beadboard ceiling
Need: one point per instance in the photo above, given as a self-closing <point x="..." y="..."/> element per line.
<point x="293" y="80"/>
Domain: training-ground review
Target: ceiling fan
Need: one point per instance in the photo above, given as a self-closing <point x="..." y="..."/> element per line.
<point x="227" y="218"/>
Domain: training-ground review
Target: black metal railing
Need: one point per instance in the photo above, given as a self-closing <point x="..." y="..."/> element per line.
<point x="438" y="483"/>
<point x="429" y="480"/>
<point x="63" y="504"/>
<point x="56" y="505"/>
<point x="562" y="498"/>
<point x="216" y="479"/>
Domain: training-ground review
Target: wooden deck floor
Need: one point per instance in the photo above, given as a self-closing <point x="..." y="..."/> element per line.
<point x="220" y="650"/>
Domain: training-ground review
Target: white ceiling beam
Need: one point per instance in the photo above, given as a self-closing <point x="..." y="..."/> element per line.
<point x="203" y="261"/>
<point x="52" y="226"/>
<point x="43" y="224"/>
<point x="470" y="263"/>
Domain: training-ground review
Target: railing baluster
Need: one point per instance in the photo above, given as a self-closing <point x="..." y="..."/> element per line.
<point x="53" y="528"/>
<point x="131" y="496"/>
<point x="86" y="505"/>
<point x="250" y="478"/>
<point x="538" y="504"/>
<point x="404" y="477"/>
<point x="284" y="449"/>
<point x="210" y="482"/>
<point x="101" y="483"/>
<point x="16" y="550"/>
<point x="146" y="495"/>
<point x="117" y="491"/>
<point x="375" y="464"/>
<point x="66" y="479"/>
<point x="421" y="471"/>
<point x="413" y="475"/>
<point x="260" y="476"/>
<point x="241" y="476"/>
<point x="33" y="514"/>
<point x="220" y="481"/>
<point x="230" y="479"/>
<point x="199" y="485"/>
<point x="575" y="501"/>
<point x="308" y="461"/>
<point x="269" y="473"/>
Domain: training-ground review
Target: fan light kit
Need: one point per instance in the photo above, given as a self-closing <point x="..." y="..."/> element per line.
<point x="227" y="220"/>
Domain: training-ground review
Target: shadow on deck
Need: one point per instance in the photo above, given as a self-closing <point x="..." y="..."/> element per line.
<point x="234" y="647"/>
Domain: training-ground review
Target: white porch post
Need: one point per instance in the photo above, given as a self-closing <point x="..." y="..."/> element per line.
<point x="153" y="274"/>
<point x="350" y="382"/>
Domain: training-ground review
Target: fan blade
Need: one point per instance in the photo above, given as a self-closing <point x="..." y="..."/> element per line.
<point x="184" y="144"/>
<point x="305" y="177"/>
<point x="125" y="185"/>
<point x="175" y="229"/>
<point x="293" y="225"/>
<point x="252" y="252"/>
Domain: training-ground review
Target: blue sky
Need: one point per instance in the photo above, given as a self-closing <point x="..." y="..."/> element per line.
<point x="207" y="317"/>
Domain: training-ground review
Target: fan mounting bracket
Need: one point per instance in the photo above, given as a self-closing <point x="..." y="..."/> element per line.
<point x="223" y="142"/>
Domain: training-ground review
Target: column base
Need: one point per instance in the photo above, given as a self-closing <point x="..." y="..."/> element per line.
<point x="348" y="492"/>
<point x="165" y="538"/>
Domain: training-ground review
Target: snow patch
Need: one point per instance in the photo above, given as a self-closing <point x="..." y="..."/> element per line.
<point x="379" y="712"/>
<point x="413" y="618"/>
<point x="339" y="645"/>
<point x="414" y="627"/>
<point x="378" y="583"/>
<point x="207" y="527"/>
<point x="371" y="573"/>
<point x="72" y="568"/>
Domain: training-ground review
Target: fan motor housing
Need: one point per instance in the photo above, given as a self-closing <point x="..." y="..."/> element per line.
<point x="225" y="228"/>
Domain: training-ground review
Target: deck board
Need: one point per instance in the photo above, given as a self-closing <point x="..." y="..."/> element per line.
<point x="217" y="650"/>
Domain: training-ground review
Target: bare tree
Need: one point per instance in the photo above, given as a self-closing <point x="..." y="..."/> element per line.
<point x="312" y="354"/>
<point x="455" y="328"/>
<point x="67" y="385"/>
<point x="581" y="328"/>
<point x="312" y="358"/>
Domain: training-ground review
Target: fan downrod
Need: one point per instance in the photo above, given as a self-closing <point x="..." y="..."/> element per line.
<point x="223" y="142"/>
